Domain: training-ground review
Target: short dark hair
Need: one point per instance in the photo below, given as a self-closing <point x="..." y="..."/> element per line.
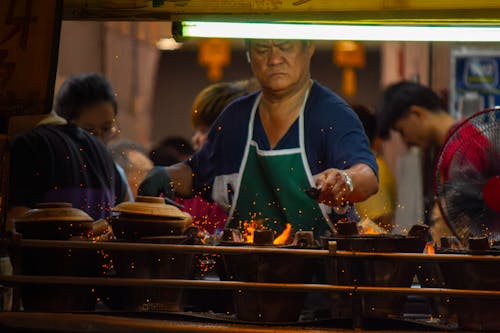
<point x="368" y="119"/>
<point x="399" y="97"/>
<point x="81" y="91"/>
<point x="171" y="150"/>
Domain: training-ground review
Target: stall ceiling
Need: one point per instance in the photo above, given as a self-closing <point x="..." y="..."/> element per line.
<point x="463" y="12"/>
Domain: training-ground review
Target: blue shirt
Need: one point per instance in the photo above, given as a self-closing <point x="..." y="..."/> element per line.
<point x="334" y="138"/>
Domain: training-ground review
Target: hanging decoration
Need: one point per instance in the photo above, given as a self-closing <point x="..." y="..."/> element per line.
<point x="349" y="55"/>
<point x="214" y="54"/>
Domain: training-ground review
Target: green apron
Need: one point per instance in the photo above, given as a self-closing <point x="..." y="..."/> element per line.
<point x="271" y="184"/>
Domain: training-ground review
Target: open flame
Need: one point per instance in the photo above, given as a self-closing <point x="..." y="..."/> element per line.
<point x="368" y="227"/>
<point x="283" y="237"/>
<point x="369" y="231"/>
<point x="249" y="229"/>
<point x="252" y="225"/>
<point x="429" y="248"/>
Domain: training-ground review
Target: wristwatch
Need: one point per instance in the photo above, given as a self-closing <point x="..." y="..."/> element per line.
<point x="348" y="181"/>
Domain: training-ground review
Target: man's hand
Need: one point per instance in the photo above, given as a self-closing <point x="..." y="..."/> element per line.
<point x="333" y="186"/>
<point x="156" y="183"/>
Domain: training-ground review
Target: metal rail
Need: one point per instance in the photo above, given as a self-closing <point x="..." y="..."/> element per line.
<point x="241" y="250"/>
<point x="106" y="323"/>
<point x="239" y="286"/>
<point x="354" y="291"/>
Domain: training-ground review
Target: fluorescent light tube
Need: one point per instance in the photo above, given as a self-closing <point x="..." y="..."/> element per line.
<point x="337" y="32"/>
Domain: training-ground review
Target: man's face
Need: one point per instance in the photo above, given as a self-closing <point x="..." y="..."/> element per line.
<point x="280" y="65"/>
<point x="413" y="130"/>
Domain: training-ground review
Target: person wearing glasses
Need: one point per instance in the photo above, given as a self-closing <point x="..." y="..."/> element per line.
<point x="88" y="101"/>
<point x="267" y="150"/>
<point x="60" y="161"/>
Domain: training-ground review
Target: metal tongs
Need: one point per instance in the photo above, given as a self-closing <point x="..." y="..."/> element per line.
<point x="169" y="201"/>
<point x="313" y="193"/>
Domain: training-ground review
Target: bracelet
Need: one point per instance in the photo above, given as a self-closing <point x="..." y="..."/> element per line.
<point x="348" y="181"/>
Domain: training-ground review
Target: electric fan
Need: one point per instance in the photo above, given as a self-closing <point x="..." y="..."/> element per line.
<point x="467" y="177"/>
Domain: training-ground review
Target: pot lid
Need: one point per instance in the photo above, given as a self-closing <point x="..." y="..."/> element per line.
<point x="55" y="211"/>
<point x="152" y="206"/>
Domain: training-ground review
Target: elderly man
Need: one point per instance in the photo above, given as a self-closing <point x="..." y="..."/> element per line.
<point x="267" y="148"/>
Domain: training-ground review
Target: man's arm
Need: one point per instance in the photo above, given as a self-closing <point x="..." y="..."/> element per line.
<point x="181" y="182"/>
<point x="166" y="181"/>
<point x="334" y="186"/>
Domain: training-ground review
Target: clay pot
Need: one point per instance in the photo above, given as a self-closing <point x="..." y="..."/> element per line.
<point x="61" y="262"/>
<point x="147" y="217"/>
<point x="151" y="206"/>
<point x="153" y="264"/>
<point x="53" y="220"/>
<point x="150" y="220"/>
<point x="60" y="221"/>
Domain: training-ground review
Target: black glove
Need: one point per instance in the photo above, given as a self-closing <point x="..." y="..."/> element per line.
<point x="156" y="183"/>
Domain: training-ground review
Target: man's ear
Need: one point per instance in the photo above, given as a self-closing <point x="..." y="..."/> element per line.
<point x="418" y="111"/>
<point x="311" y="47"/>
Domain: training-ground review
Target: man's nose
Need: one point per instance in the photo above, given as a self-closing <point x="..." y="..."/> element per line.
<point x="275" y="56"/>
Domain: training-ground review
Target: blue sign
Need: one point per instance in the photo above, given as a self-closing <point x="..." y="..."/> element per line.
<point x="474" y="81"/>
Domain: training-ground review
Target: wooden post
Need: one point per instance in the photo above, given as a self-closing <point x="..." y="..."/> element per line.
<point x="29" y="45"/>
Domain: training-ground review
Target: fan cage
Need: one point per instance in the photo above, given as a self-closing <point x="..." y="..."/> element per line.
<point x="468" y="158"/>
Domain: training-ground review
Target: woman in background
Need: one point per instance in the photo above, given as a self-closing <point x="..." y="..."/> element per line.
<point x="64" y="162"/>
<point x="207" y="106"/>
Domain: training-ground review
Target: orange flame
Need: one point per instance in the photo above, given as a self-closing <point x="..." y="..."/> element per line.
<point x="368" y="227"/>
<point x="369" y="231"/>
<point x="283" y="237"/>
<point x="252" y="225"/>
<point x="429" y="248"/>
<point x="249" y="229"/>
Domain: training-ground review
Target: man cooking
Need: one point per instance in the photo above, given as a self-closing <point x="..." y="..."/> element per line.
<point x="266" y="149"/>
